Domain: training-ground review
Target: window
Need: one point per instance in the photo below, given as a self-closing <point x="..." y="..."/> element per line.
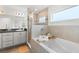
<point x="42" y="19"/>
<point x="68" y="14"/>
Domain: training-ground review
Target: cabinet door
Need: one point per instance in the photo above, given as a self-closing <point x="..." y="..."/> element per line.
<point x="0" y="41"/>
<point x="19" y="38"/>
<point x="23" y="37"/>
<point x="7" y="44"/>
<point x="7" y="39"/>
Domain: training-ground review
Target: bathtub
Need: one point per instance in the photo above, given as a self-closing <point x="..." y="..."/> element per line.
<point x="56" y="46"/>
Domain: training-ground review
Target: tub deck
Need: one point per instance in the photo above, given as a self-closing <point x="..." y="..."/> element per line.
<point x="54" y="46"/>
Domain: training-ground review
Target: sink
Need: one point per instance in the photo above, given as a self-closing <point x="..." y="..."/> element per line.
<point x="18" y="30"/>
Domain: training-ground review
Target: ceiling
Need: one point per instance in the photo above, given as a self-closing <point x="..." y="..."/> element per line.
<point x="58" y="8"/>
<point x="34" y="8"/>
<point x="38" y="8"/>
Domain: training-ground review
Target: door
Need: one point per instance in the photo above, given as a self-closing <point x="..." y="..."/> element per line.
<point x="0" y="41"/>
<point x="29" y="31"/>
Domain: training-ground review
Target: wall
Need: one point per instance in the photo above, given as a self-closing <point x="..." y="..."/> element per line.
<point x="38" y="30"/>
<point x="68" y="30"/>
<point x="9" y="22"/>
<point x="13" y="17"/>
<point x="41" y="13"/>
<point x="18" y="22"/>
<point x="3" y="22"/>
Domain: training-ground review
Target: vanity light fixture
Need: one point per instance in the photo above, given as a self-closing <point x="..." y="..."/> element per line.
<point x="18" y="14"/>
<point x="1" y="12"/>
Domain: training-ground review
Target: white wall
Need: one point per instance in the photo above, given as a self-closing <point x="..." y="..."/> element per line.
<point x="11" y="17"/>
<point x="66" y="22"/>
<point x="37" y="30"/>
<point x="3" y="22"/>
<point x="8" y="22"/>
<point x="68" y="32"/>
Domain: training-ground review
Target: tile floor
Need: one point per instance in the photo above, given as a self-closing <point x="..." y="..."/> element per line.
<point x="18" y="49"/>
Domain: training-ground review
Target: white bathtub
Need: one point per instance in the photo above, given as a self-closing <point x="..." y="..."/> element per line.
<point x="59" y="46"/>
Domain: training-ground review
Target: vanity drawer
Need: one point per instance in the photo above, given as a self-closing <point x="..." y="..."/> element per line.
<point x="7" y="38"/>
<point x="7" y="41"/>
<point x="7" y="34"/>
<point x="7" y="44"/>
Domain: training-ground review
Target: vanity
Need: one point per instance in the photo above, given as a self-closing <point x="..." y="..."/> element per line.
<point x="12" y="38"/>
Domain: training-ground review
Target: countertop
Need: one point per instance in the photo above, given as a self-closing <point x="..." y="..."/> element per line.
<point x="9" y="31"/>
